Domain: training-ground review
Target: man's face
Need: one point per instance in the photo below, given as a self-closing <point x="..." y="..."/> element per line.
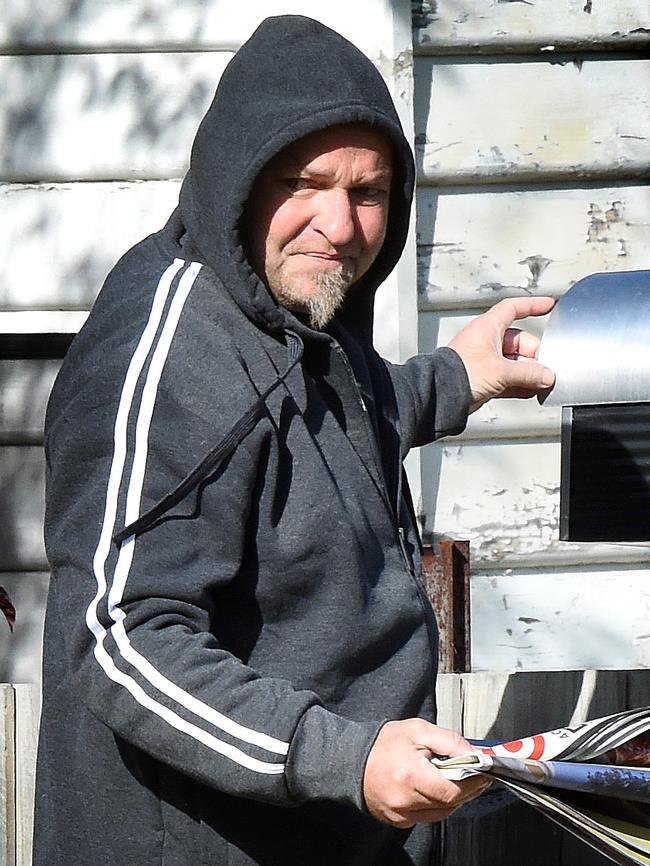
<point x="316" y="217"/>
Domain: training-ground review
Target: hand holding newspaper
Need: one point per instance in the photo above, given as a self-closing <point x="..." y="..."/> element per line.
<point x="593" y="779"/>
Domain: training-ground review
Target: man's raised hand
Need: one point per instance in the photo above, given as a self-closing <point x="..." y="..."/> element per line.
<point x="501" y="360"/>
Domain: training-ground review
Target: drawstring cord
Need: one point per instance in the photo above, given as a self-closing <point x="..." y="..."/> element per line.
<point x="215" y="457"/>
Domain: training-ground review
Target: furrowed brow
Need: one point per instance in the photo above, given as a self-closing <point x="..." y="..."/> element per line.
<point x="376" y="178"/>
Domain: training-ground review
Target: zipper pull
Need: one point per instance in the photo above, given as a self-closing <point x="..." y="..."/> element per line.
<point x="402" y="542"/>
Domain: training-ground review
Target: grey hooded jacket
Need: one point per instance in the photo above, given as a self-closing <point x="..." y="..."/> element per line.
<point x="235" y="605"/>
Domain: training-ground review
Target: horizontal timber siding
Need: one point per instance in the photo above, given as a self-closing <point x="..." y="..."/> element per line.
<point x="478" y="245"/>
<point x="94" y="26"/>
<point x="485" y="26"/>
<point x="102" y="116"/>
<point x="489" y="119"/>
<point x="70" y="235"/>
<point x="532" y="123"/>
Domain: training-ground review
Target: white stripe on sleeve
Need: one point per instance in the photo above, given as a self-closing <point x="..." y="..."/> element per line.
<point x="125" y="557"/>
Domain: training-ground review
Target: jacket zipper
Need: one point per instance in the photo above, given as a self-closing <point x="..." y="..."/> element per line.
<point x="427" y="609"/>
<point x="393" y="508"/>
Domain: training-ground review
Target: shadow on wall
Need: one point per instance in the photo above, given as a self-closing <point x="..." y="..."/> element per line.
<point x="110" y="116"/>
<point x="534" y="702"/>
<point x="42" y="24"/>
<point x="67" y="117"/>
<point x="104" y="116"/>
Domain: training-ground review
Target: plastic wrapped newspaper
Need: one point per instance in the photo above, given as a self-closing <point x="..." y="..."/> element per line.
<point x="593" y="779"/>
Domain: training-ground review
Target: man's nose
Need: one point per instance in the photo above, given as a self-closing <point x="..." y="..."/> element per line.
<point x="334" y="217"/>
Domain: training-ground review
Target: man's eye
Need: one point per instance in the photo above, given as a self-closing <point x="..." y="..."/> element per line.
<point x="370" y="194"/>
<point x="296" y="184"/>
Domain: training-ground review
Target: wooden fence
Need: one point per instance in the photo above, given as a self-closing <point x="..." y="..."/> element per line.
<point x="19" y="711"/>
<point x="492" y="705"/>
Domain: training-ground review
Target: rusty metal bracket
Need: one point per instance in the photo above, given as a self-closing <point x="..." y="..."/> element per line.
<point x="445" y="567"/>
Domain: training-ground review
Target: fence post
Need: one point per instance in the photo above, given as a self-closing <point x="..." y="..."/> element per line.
<point x="445" y="572"/>
<point x="28" y="706"/>
<point x="7" y="777"/>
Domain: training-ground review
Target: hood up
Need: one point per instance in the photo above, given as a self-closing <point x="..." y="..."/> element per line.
<point x="292" y="77"/>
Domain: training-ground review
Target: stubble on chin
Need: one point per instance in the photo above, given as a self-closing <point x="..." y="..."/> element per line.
<point x="320" y="305"/>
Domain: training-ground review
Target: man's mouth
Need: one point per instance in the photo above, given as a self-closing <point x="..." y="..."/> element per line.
<point x="316" y="262"/>
<point x="326" y="259"/>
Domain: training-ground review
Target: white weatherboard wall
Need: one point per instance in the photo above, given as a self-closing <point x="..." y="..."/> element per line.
<point x="98" y="109"/>
<point x="532" y="129"/>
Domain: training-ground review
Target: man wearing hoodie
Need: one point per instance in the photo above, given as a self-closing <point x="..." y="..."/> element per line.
<point x="235" y="608"/>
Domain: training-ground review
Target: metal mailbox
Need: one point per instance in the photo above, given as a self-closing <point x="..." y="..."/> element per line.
<point x="597" y="341"/>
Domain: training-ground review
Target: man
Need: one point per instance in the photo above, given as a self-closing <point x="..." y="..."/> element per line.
<point x="235" y="608"/>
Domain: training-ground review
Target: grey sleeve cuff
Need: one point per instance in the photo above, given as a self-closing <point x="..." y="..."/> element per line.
<point x="453" y="394"/>
<point x="433" y="396"/>
<point x="327" y="758"/>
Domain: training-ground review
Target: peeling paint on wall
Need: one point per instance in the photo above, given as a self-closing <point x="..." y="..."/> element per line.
<point x="555" y="619"/>
<point x="510" y="25"/>
<point x="549" y="126"/>
<point x="423" y="12"/>
<point x="536" y="265"/>
<point x="392" y="67"/>
<point x="600" y="221"/>
<point x="473" y="247"/>
<point x="533" y="173"/>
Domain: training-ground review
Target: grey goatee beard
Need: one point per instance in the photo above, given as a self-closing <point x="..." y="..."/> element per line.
<point x="321" y="306"/>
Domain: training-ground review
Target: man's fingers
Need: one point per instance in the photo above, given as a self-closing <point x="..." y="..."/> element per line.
<point x="435" y="793"/>
<point x="523" y="375"/>
<point x="453" y="798"/>
<point x="400" y="782"/>
<point x="527" y="377"/>
<point x="518" y="343"/>
<point x="449" y="793"/>
<point x="492" y="352"/>
<point x="440" y="741"/>
<point x="434" y="798"/>
<point x="433" y="790"/>
<point x="510" y="309"/>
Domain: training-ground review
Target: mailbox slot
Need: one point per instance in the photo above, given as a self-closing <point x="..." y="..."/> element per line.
<point x="605" y="474"/>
